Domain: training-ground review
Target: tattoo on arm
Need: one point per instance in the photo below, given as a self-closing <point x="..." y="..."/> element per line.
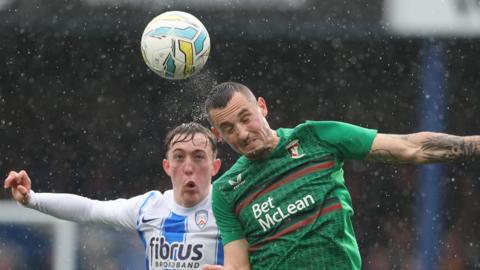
<point x="426" y="147"/>
<point x="449" y="148"/>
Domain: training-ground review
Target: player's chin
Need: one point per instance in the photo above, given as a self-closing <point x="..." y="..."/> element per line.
<point x="249" y="151"/>
<point x="191" y="189"/>
<point x="191" y="197"/>
<point x="255" y="153"/>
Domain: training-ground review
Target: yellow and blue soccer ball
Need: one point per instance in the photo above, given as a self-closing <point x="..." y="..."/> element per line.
<point x="175" y="45"/>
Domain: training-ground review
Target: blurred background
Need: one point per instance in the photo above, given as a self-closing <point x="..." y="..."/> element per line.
<point x="81" y="112"/>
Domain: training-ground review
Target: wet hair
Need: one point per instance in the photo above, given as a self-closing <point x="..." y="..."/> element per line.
<point x="186" y="132"/>
<point x="222" y="93"/>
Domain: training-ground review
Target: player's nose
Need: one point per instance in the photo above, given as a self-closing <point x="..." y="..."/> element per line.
<point x="242" y="132"/>
<point x="188" y="167"/>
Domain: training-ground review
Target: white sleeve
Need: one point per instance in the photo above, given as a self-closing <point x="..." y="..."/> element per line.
<point x="120" y="213"/>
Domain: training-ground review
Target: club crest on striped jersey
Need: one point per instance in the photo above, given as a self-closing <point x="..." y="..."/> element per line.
<point x="295" y="149"/>
<point x="201" y="218"/>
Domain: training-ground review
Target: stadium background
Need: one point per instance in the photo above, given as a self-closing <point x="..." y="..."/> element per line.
<point x="80" y="111"/>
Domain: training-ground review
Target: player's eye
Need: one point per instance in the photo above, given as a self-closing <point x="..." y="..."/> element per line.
<point x="199" y="157"/>
<point x="228" y="130"/>
<point x="178" y="157"/>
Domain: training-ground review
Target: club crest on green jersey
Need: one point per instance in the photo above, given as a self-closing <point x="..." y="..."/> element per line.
<point x="295" y="149"/>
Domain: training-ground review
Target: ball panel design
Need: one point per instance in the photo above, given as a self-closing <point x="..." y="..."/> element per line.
<point x="187" y="49"/>
<point x="175" y="45"/>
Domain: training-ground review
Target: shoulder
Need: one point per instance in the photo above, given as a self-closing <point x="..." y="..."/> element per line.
<point x="332" y="128"/>
<point x="324" y="124"/>
<point x="155" y="203"/>
<point x="309" y="128"/>
<point x="151" y="198"/>
<point x="152" y="194"/>
<point x="310" y="124"/>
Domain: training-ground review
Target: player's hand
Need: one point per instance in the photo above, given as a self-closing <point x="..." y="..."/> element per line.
<point x="20" y="184"/>
<point x="212" y="267"/>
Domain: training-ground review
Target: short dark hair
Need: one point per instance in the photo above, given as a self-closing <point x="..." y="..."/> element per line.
<point x="187" y="132"/>
<point x="221" y="94"/>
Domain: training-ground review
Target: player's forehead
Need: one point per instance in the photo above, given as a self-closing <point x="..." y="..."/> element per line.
<point x="238" y="106"/>
<point x="189" y="143"/>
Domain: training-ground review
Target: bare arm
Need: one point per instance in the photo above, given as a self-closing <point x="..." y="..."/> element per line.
<point x="236" y="257"/>
<point x="424" y="147"/>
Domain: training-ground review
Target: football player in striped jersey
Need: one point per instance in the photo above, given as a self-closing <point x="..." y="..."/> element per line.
<point x="177" y="227"/>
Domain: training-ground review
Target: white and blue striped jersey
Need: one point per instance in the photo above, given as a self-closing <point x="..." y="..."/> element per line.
<point x="174" y="237"/>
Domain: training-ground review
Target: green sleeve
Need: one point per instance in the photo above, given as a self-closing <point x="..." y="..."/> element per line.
<point x="227" y="221"/>
<point x="351" y="141"/>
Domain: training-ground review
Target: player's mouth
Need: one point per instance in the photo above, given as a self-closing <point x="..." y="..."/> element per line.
<point x="248" y="144"/>
<point x="190" y="186"/>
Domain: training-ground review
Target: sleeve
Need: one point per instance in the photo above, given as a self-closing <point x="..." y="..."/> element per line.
<point x="227" y="222"/>
<point x="120" y="213"/>
<point x="350" y="141"/>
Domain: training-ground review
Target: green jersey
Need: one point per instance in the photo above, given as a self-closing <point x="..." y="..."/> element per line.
<point x="293" y="207"/>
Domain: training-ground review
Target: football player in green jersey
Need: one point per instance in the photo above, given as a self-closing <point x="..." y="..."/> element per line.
<point x="284" y="203"/>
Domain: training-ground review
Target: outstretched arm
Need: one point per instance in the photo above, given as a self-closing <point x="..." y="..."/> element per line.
<point x="423" y="147"/>
<point x="118" y="213"/>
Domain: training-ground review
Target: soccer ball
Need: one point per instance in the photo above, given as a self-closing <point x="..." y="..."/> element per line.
<point x="175" y="45"/>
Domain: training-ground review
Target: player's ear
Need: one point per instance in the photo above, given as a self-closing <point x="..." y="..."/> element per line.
<point x="262" y="104"/>
<point x="217" y="163"/>
<point x="166" y="166"/>
<point x="216" y="133"/>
